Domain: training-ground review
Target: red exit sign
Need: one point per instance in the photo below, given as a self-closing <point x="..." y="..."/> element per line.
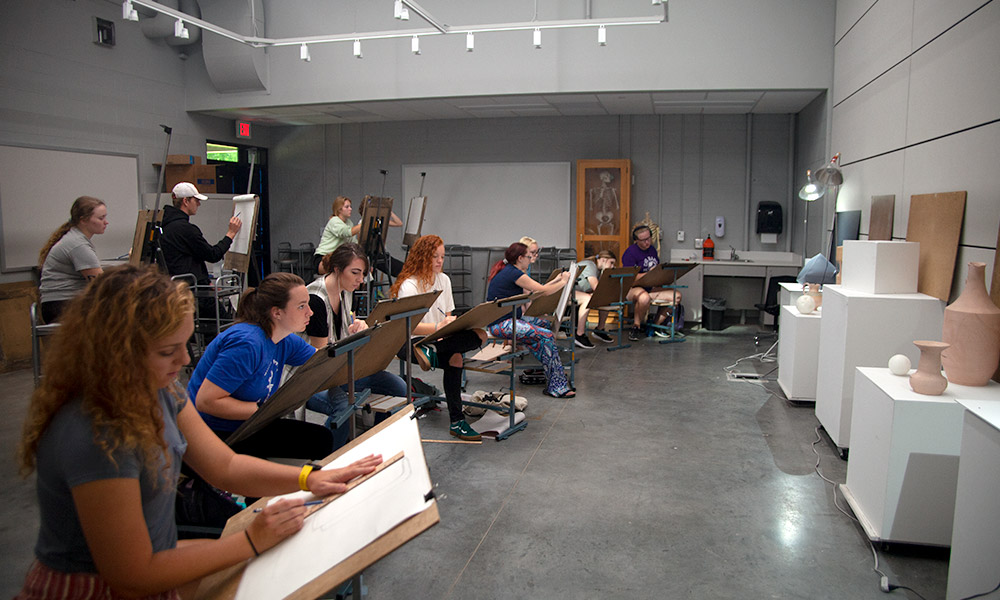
<point x="242" y="129"/>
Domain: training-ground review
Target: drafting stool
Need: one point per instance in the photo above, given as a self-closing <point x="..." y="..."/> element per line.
<point x="38" y="331"/>
<point x="286" y="261"/>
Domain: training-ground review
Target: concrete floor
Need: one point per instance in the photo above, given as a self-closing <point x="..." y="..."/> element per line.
<point x="660" y="480"/>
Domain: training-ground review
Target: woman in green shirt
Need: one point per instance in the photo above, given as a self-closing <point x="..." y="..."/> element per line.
<point x="339" y="229"/>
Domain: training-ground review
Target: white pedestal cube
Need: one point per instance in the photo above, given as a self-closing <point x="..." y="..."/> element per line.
<point x="860" y="329"/>
<point x="798" y="353"/>
<point x="905" y="446"/>
<point x="975" y="535"/>
<point x="881" y="267"/>
<point x="789" y="293"/>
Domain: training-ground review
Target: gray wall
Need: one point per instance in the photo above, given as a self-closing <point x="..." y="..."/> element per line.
<point x="916" y="110"/>
<point x="62" y="91"/>
<point x="688" y="169"/>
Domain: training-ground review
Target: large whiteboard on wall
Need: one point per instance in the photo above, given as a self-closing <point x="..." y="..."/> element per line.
<point x="493" y="204"/>
<point x="37" y="187"/>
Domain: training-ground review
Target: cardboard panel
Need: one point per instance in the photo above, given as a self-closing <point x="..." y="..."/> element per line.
<point x="880" y="226"/>
<point x="936" y="222"/>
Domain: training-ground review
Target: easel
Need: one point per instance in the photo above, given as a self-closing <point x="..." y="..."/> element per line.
<point x="555" y="304"/>
<point x="146" y="248"/>
<point x="620" y="280"/>
<point x="479" y="317"/>
<point x="404" y="308"/>
<point x="664" y="276"/>
<point x="374" y="230"/>
<point x="415" y="216"/>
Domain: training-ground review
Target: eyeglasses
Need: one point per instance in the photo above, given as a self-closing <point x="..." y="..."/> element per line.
<point x="645" y="239"/>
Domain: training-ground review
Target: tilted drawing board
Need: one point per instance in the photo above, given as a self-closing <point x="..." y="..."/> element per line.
<point x="348" y="534"/>
<point x="142" y="223"/>
<point x="664" y="274"/>
<point x="387" y="338"/>
<point x="547" y="304"/>
<point x="881" y="218"/>
<point x="611" y="289"/>
<point x="936" y="222"/>
<point x="478" y="317"/>
<point x="306" y="381"/>
<point x="245" y="207"/>
<point x="414" y="220"/>
<point x="375" y="215"/>
<point x="395" y="306"/>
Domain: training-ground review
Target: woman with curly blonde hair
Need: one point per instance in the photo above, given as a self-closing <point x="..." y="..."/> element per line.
<point x="422" y="273"/>
<point x="107" y="431"/>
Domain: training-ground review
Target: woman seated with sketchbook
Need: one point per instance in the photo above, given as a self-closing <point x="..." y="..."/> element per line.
<point x="422" y="273"/>
<point x="242" y="368"/>
<point x="586" y="282"/>
<point x="107" y="431"/>
<point x="508" y="278"/>
<point x="332" y="320"/>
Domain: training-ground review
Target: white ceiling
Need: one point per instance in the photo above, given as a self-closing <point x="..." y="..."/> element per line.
<point x="543" y="105"/>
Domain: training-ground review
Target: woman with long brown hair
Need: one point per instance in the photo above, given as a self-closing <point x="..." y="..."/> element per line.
<point x="68" y="260"/>
<point x="422" y="273"/>
<point x="106" y="432"/>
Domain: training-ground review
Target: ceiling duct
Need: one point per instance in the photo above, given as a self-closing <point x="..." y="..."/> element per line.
<point x="232" y="66"/>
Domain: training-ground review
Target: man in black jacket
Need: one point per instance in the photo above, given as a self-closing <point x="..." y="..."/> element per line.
<point x="185" y="249"/>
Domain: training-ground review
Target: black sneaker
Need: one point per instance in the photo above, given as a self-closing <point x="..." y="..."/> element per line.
<point x="635" y="334"/>
<point x="603" y="336"/>
<point x="583" y="341"/>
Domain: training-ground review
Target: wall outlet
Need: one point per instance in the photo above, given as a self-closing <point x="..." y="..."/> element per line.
<point x="680" y="236"/>
<point x="698" y="242"/>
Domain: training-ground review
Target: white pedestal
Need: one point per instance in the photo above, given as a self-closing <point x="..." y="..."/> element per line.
<point x="881" y="267"/>
<point x="975" y="537"/>
<point x="798" y="353"/>
<point x="789" y="293"/>
<point x="863" y="330"/>
<point x="903" y="472"/>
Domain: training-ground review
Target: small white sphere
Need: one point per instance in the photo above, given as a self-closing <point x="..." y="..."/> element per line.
<point x="899" y="364"/>
<point x="805" y="304"/>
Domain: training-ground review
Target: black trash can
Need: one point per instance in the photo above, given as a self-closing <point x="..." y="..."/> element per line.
<point x="712" y="312"/>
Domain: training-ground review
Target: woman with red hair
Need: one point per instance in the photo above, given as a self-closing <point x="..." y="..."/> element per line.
<point x="422" y="273"/>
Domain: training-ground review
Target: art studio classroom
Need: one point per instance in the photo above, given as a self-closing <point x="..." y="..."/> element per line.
<point x="435" y="299"/>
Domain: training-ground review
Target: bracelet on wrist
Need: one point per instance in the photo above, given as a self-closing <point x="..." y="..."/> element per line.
<point x="252" y="547"/>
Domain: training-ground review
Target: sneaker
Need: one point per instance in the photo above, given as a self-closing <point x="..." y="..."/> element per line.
<point x="463" y="431"/>
<point x="661" y="333"/>
<point x="635" y="334"/>
<point x="583" y="341"/>
<point x="603" y="336"/>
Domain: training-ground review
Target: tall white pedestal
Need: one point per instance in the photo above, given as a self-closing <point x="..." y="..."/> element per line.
<point x="859" y="329"/>
<point x="798" y="353"/>
<point x="903" y="472"/>
<point x="975" y="537"/>
<point x="789" y="293"/>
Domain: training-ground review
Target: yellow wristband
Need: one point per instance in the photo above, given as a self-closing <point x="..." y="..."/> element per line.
<point x="304" y="476"/>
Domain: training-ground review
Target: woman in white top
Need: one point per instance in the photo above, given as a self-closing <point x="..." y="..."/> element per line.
<point x="422" y="273"/>
<point x="68" y="260"/>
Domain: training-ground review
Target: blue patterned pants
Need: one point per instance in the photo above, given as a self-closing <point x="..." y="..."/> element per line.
<point x="541" y="342"/>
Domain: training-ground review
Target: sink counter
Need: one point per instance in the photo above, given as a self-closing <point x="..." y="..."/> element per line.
<point x="748" y="258"/>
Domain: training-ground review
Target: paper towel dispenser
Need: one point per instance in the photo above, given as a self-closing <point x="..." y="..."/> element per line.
<point x="769" y="218"/>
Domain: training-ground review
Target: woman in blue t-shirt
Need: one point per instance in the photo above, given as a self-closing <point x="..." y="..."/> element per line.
<point x="508" y="278"/>
<point x="106" y="433"/>
<point x="242" y="367"/>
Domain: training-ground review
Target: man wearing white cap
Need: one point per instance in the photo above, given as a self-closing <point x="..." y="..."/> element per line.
<point x="184" y="247"/>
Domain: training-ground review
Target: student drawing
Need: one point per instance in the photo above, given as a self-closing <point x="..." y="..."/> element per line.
<point x="68" y="260"/>
<point x="107" y="432"/>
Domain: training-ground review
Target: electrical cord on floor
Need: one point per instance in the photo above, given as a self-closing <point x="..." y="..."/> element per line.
<point x="884" y="584"/>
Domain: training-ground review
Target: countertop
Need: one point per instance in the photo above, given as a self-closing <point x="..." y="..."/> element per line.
<point x="746" y="258"/>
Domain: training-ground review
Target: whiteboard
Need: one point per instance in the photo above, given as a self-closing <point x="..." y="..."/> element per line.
<point x="38" y="186"/>
<point x="494" y="204"/>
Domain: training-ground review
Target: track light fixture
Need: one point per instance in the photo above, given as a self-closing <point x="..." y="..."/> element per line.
<point x="415" y="45"/>
<point x="470" y="42"/>
<point x="304" y="53"/>
<point x="357" y="49"/>
<point x="537" y="38"/>
<point x="180" y="30"/>
<point x="602" y="35"/>
<point x="129" y="13"/>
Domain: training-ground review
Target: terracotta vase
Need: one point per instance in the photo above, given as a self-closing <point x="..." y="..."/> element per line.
<point x="927" y="379"/>
<point x="817" y="295"/>
<point x="972" y="328"/>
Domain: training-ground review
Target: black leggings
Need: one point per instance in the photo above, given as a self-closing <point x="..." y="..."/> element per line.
<point x="457" y="343"/>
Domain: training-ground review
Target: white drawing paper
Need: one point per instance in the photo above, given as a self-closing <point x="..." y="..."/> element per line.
<point x="243" y="206"/>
